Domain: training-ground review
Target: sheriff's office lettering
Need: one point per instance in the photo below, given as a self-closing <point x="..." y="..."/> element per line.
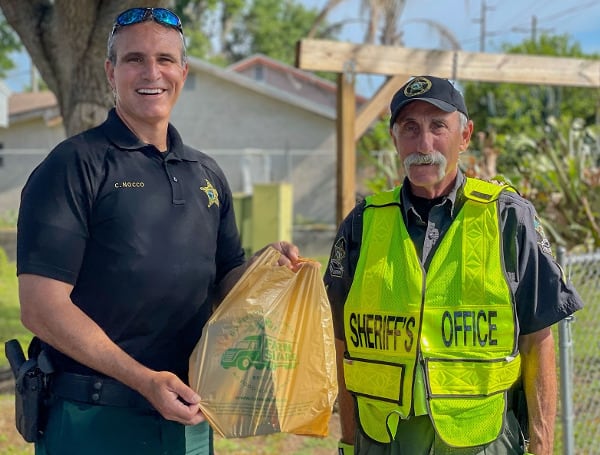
<point x="472" y="328"/>
<point x="469" y="328"/>
<point x="384" y="332"/>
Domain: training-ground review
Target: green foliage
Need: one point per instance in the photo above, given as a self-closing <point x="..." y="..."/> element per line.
<point x="508" y="110"/>
<point x="206" y="24"/>
<point x="559" y="171"/>
<point x="9" y="42"/>
<point x="376" y="150"/>
<point x="10" y="320"/>
<point x="8" y="219"/>
<point x="271" y="27"/>
<point x="544" y="146"/>
<point x="227" y="31"/>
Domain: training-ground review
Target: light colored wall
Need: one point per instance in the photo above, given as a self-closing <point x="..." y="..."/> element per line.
<point x="224" y="115"/>
<point x="32" y="134"/>
<point x="254" y="138"/>
<point x="248" y="133"/>
<point x="24" y="146"/>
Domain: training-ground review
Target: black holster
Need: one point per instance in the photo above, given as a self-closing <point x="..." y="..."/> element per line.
<point x="32" y="378"/>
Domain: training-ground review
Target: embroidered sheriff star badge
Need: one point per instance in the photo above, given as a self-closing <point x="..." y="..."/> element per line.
<point x="211" y="193"/>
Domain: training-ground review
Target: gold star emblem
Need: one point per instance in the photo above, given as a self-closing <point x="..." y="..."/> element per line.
<point x="211" y="193"/>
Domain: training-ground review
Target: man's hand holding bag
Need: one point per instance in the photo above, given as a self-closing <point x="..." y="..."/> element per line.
<point x="266" y="360"/>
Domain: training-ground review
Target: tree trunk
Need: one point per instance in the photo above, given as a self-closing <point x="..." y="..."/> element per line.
<point x="66" y="40"/>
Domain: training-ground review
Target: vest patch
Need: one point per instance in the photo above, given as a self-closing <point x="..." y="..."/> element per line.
<point x="542" y="241"/>
<point x="336" y="269"/>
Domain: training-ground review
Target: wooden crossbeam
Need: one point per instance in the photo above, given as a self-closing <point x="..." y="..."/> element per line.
<point x="349" y="59"/>
<point x="325" y="55"/>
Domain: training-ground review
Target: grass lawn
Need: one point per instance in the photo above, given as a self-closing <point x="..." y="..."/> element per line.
<point x="11" y="442"/>
<point x="10" y="319"/>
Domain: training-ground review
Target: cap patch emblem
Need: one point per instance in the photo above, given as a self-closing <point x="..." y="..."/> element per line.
<point x="417" y="86"/>
<point x="211" y="193"/>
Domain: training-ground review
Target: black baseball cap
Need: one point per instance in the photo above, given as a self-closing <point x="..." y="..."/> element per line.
<point x="434" y="90"/>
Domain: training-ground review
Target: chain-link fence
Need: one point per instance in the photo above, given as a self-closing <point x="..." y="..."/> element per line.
<point x="578" y="431"/>
<point x="309" y="171"/>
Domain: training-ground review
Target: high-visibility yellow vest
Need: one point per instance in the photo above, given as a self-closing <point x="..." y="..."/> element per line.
<point x="457" y="321"/>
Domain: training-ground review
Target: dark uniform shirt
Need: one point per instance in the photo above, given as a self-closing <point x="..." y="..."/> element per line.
<point x="541" y="296"/>
<point x="142" y="236"/>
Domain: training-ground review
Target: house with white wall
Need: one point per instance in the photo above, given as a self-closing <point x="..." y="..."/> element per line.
<point x="263" y="121"/>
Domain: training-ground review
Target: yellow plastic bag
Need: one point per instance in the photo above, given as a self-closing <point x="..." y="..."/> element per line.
<point x="266" y="360"/>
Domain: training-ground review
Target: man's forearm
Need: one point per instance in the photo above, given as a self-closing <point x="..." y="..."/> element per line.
<point x="47" y="310"/>
<point x="539" y="381"/>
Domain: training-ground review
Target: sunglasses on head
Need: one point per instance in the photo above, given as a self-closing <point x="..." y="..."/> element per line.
<point x="136" y="15"/>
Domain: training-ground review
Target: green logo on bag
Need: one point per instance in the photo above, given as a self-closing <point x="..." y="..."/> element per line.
<point x="260" y="351"/>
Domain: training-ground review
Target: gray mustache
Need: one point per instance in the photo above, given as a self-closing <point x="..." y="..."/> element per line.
<point x="420" y="158"/>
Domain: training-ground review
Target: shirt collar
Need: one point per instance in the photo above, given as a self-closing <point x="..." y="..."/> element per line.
<point x="123" y="138"/>
<point x="453" y="200"/>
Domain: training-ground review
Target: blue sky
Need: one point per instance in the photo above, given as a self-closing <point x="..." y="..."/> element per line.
<point x="505" y="21"/>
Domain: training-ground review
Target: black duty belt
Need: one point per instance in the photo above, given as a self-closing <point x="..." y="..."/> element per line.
<point x="97" y="390"/>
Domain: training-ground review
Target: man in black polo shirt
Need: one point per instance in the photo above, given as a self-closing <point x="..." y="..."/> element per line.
<point x="124" y="233"/>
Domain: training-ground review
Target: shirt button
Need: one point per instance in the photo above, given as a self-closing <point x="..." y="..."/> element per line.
<point x="174" y="179"/>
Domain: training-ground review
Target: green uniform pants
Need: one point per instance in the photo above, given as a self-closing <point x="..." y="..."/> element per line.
<point x="416" y="436"/>
<point x="83" y="429"/>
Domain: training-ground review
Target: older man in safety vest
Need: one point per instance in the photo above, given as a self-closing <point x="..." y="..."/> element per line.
<point x="443" y="292"/>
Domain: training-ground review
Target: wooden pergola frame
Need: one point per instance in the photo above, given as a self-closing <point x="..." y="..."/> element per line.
<point x="400" y="63"/>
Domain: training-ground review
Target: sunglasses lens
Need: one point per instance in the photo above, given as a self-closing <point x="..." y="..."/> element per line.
<point x="137" y="15"/>
<point x="131" y="16"/>
<point x="166" y="17"/>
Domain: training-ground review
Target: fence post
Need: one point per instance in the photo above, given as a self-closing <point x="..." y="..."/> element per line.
<point x="272" y="209"/>
<point x="565" y="342"/>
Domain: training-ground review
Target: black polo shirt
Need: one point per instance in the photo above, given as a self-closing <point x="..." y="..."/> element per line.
<point x="142" y="235"/>
<point x="539" y="292"/>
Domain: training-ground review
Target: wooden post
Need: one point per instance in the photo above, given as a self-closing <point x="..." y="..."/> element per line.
<point x="346" y="146"/>
<point x="378" y="104"/>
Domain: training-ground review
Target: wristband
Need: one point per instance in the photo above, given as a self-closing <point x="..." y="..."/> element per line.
<point x="345" y="449"/>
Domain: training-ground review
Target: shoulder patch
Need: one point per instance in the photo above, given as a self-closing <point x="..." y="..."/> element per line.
<point x="542" y="241"/>
<point x="338" y="253"/>
<point x="499" y="179"/>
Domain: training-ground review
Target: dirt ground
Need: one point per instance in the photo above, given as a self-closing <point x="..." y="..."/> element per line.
<point x="11" y="442"/>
